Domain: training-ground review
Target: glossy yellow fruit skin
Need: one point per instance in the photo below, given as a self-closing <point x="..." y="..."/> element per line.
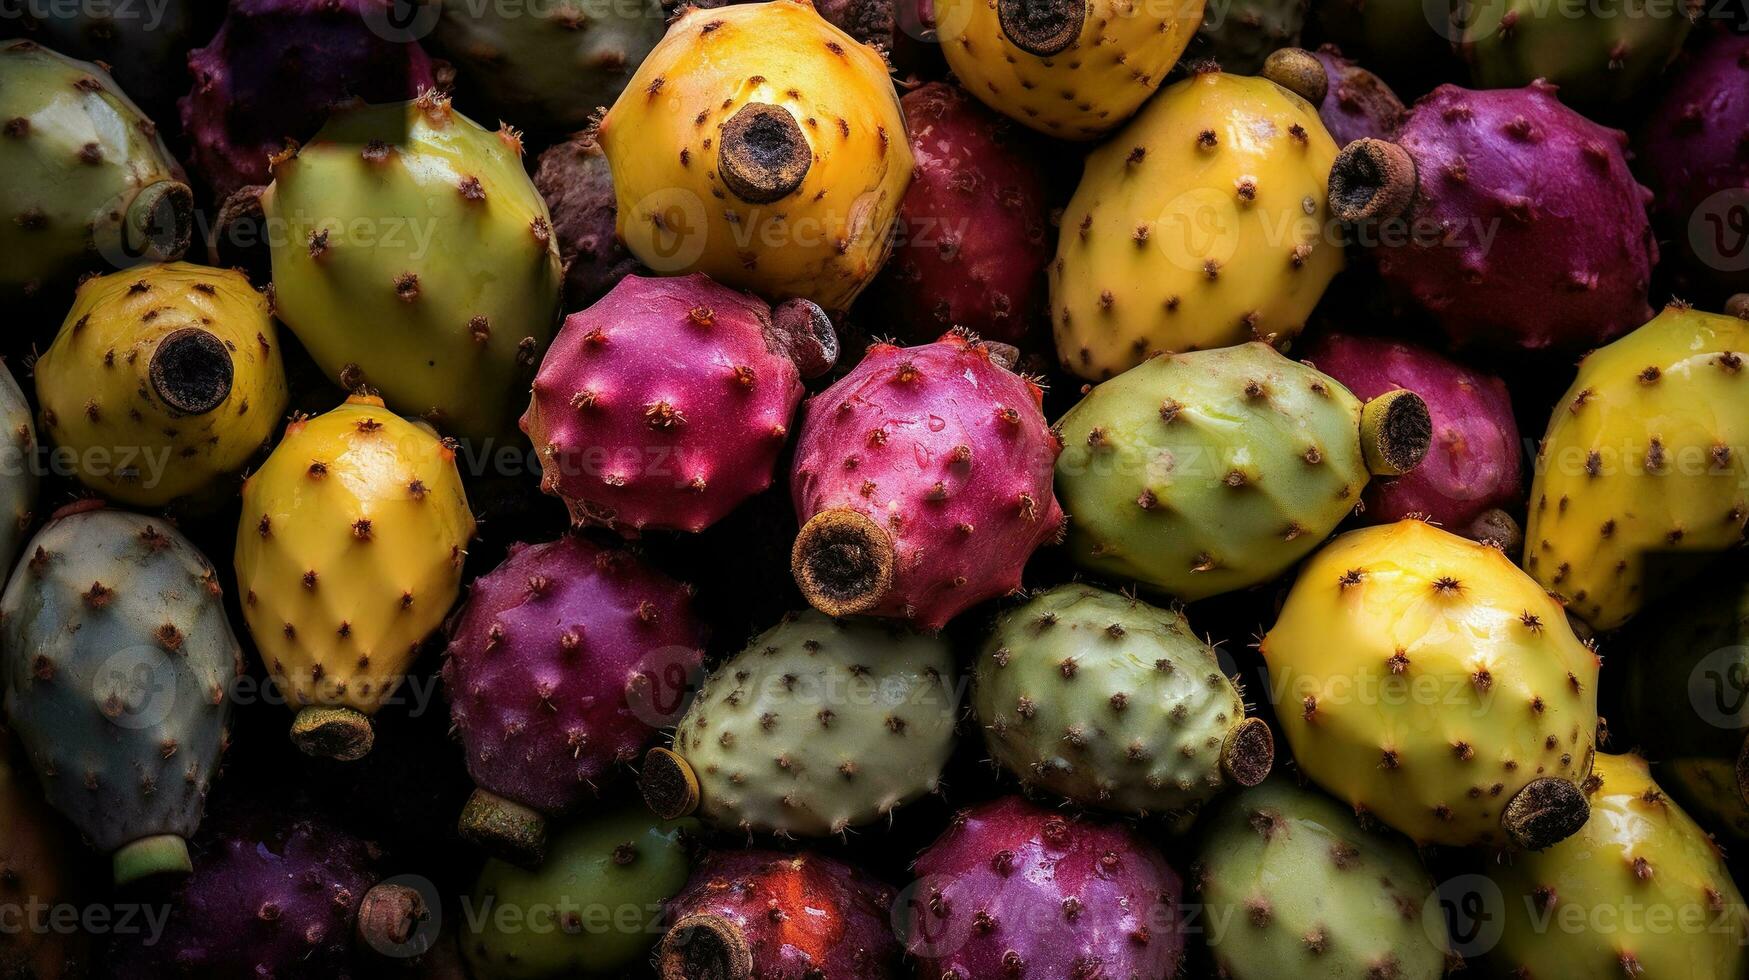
<point x="1203" y="223"/>
<point x="1121" y="56"/>
<point x="99" y="403"/>
<point x="349" y="552"/>
<point x="825" y="240"/>
<point x="1641" y="891"/>
<point x="1646" y="452"/>
<point x="1424" y="678"/>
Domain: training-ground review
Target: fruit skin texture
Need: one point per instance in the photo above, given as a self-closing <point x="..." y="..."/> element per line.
<point x="664" y="405"/>
<point x="144" y="46"/>
<point x="1107" y="701"/>
<point x="1190" y="230"/>
<point x="1197" y="474"/>
<point x="276" y="69"/>
<point x="1308" y="892"/>
<point x="18" y="477"/>
<point x="1115" y="61"/>
<point x="101" y="599"/>
<point x="1641" y="455"/>
<point x="560" y="664"/>
<point x="1013" y="883"/>
<point x="1473" y="464"/>
<point x="946" y="454"/>
<point x="37" y="852"/>
<point x="974" y="226"/>
<point x="1597" y="58"/>
<point x="1356" y="103"/>
<point x="86" y="172"/>
<point x="820" y="725"/>
<point x="447" y="303"/>
<point x="1240" y="35"/>
<point x="801" y="916"/>
<point x="577" y="184"/>
<point x="1638" y="852"/>
<point x="822" y="241"/>
<point x="624" y="860"/>
<point x="349" y="552"/>
<point x="98" y="397"/>
<point x="549" y="66"/>
<point x="1477" y="685"/>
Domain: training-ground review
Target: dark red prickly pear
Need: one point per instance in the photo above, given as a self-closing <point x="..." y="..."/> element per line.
<point x="1357" y="103"/>
<point x="577" y="184"/>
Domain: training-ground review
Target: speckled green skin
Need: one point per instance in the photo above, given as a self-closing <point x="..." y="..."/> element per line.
<point x="1241" y="33"/>
<point x="18" y="476"/>
<point x="1105" y="700"/>
<point x="415" y="257"/>
<point x="821" y="725"/>
<point x="1596" y="59"/>
<point x="1302" y="890"/>
<point x="592" y="908"/>
<point x="1197" y="474"/>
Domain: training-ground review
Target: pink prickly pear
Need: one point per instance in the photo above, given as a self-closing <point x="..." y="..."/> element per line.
<point x="922" y="482"/>
<point x="1357" y="103"/>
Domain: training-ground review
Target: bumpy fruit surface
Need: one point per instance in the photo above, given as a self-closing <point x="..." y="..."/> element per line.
<point x="162" y="381"/>
<point x="1074" y="71"/>
<point x="664" y="405"/>
<point x="1357" y="103"/>
<point x="624" y="861"/>
<point x="89" y="183"/>
<point x="1012" y="888"/>
<point x="418" y="259"/>
<point x="1643" y="454"/>
<point x="1474" y="195"/>
<point x="276" y="69"/>
<point x="102" y="599"/>
<point x="577" y="184"/>
<point x="39" y="854"/>
<point x="18" y="474"/>
<point x="762" y="915"/>
<point x="764" y="147"/>
<point x="349" y="552"/>
<point x="1424" y="679"/>
<point x="1306" y="891"/>
<point x="1200" y="224"/>
<point x="818" y="726"/>
<point x="1197" y="474"/>
<point x="1639" y="867"/>
<point x="1596" y="57"/>
<point x="1113" y="703"/>
<point x="922" y="483"/>
<point x="144" y="47"/>
<point x="562" y="663"/>
<point x="1241" y="34"/>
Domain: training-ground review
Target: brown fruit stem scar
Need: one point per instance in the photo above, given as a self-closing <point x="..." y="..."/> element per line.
<point x="762" y="154"/>
<point x="1041" y="27"/>
<point x="1395" y="432"/>
<point x="160" y="221"/>
<point x="668" y="784"/>
<point x="802" y="331"/>
<point x="504" y="828"/>
<point x="1499" y="527"/>
<point x="1372" y="180"/>
<point x="336" y="733"/>
<point x="1544" y="813"/>
<point x="1297" y="71"/>
<point x="389" y="916"/>
<point x="705" y="947"/>
<point x="191" y="371"/>
<point x="843" y="562"/>
<point x="1248" y="753"/>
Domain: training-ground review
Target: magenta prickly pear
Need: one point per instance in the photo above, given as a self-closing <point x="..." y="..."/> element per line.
<point x="1015" y="890"/>
<point x="922" y="482"/>
<point x="562" y="663"/>
<point x="1357" y="104"/>
<point x="666" y="404"/>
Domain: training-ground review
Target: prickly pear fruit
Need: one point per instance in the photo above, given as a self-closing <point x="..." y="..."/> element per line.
<point x="764" y="147"/>
<point x="562" y="663"/>
<point x="665" y="404"/>
<point x="1474" y="196"/>
<point x="1642" y="455"/>
<point x="550" y="65"/>
<point x="625" y="864"/>
<point x="922" y="483"/>
<point x="1306" y="891"/>
<point x="1471" y="475"/>
<point x="88" y="181"/>
<point x="1114" y="704"/>
<point x="429" y="271"/>
<point x="143" y="45"/>
<point x="349" y="552"/>
<point x="118" y="664"/>
<point x="1241" y="34"/>
<point x="975" y="225"/>
<point x="1200" y="224"/>
<point x="1198" y="474"/>
<point x="1638" y="855"/>
<point x="1041" y="62"/>
<point x="577" y="184"/>
<point x="818" y="726"/>
<point x="1357" y="104"/>
<point x="162" y="381"/>
<point x="1597" y="57"/>
<point x="762" y="915"/>
<point x="276" y="69"/>
<point x="1012" y="889"/>
<point x="1423" y="678"/>
<point x="18" y="470"/>
<point x="37" y="853"/>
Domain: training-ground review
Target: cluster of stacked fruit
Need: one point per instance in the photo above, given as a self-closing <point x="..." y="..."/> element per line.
<point x="1144" y="573"/>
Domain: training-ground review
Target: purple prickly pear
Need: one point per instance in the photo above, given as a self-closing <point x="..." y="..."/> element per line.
<point x="577" y="184"/>
<point x="1015" y="890"/>
<point x="562" y="663"/>
<point x="666" y="404"/>
<point x="1357" y="103"/>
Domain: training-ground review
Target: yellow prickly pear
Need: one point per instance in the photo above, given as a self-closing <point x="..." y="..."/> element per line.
<point x="349" y="553"/>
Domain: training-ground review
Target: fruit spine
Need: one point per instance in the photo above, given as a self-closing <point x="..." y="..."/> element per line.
<point x="922" y="483"/>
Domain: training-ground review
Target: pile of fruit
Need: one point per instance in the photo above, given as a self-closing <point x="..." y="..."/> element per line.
<point x="954" y="489"/>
